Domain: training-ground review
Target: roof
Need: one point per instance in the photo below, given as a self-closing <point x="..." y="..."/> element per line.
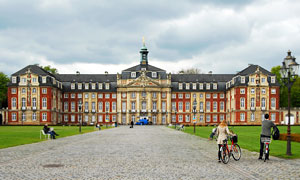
<point x="148" y="67"/>
<point x="201" y="77"/>
<point x="251" y="69"/>
<point x="87" y="77"/>
<point x="34" y="69"/>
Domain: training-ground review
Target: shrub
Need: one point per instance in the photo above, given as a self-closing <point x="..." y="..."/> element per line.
<point x="294" y="137"/>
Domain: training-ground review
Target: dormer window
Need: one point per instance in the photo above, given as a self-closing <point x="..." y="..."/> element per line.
<point x="93" y="86"/>
<point x="44" y="80"/>
<point x="180" y="86"/>
<point x="133" y="74"/>
<point x="106" y="86"/>
<point x="143" y="69"/>
<point x="215" y="86"/>
<point x="86" y="86"/>
<point x="79" y="86"/>
<point x="273" y="79"/>
<point x="194" y="86"/>
<point x="100" y="86"/>
<point x="154" y="74"/>
<point x="73" y="86"/>
<point x="187" y="86"/>
<point x="201" y="86"/>
<point x="14" y="79"/>
<point x="207" y="86"/>
<point x="242" y="79"/>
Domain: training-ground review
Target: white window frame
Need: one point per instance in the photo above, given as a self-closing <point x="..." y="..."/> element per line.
<point x="154" y="75"/>
<point x="133" y="74"/>
<point x="44" y="116"/>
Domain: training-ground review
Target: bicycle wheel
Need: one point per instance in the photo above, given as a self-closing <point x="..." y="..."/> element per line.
<point x="236" y="152"/>
<point x="224" y="155"/>
<point x="265" y="154"/>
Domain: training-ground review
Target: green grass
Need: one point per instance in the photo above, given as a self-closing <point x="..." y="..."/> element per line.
<point x="248" y="138"/>
<point x="17" y="135"/>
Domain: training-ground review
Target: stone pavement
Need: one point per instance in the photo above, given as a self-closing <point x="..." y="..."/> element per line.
<point x="144" y="152"/>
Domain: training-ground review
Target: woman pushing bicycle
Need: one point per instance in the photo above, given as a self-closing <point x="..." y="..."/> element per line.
<point x="222" y="132"/>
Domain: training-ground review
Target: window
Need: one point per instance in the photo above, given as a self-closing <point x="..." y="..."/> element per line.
<point x="100" y="106"/>
<point x="106" y="86"/>
<point x="242" y="79"/>
<point x="94" y="106"/>
<point x="215" y="96"/>
<point x="201" y="106"/>
<point x="242" y="116"/>
<point x="133" y="118"/>
<point x="242" y="101"/>
<point x="66" y="106"/>
<point x="123" y="106"/>
<point x="114" y="118"/>
<point x="100" y="86"/>
<point x="173" y="106"/>
<point x="72" y="106"/>
<point x="133" y="105"/>
<point x="180" y="119"/>
<point x="173" y="118"/>
<point x="214" y="105"/>
<point x="207" y="86"/>
<point x="187" y="85"/>
<point x="222" y="95"/>
<point x="252" y="117"/>
<point x="207" y="118"/>
<point x="272" y="79"/>
<point x="44" y="79"/>
<point x="93" y="95"/>
<point x="86" y="118"/>
<point x="123" y="95"/>
<point x="23" y="90"/>
<point x="133" y="95"/>
<point x="164" y="95"/>
<point x="100" y="118"/>
<point x="263" y="80"/>
<point x="154" y="95"/>
<point x="194" y="96"/>
<point x="221" y="117"/>
<point x="154" y="105"/>
<point x="86" y="106"/>
<point x="44" y="116"/>
<point x="187" y="106"/>
<point x="23" y="80"/>
<point x="114" y="96"/>
<point x="242" y="91"/>
<point x="263" y="102"/>
<point x="14" y="102"/>
<point x="73" y="86"/>
<point x="252" y="102"/>
<point x="263" y="91"/>
<point x="180" y="96"/>
<point x="34" y="102"/>
<point x="208" y="106"/>
<point x="143" y="105"/>
<point x="187" y="96"/>
<point x="201" y="86"/>
<point x="14" y="116"/>
<point x="273" y="102"/>
<point x="133" y="74"/>
<point x="86" y="85"/>
<point x="187" y="118"/>
<point x="73" y="96"/>
<point x="107" y="96"/>
<point x="114" y="106"/>
<point x="154" y="119"/>
<point x="14" y="79"/>
<point x="79" y="86"/>
<point x="252" y="80"/>
<point x="252" y="90"/>
<point x="14" y="91"/>
<point x="180" y="106"/>
<point x="207" y="96"/>
<point x="154" y="74"/>
<point x="201" y="95"/>
<point x="79" y="96"/>
<point x="93" y="118"/>
<point x="34" y="116"/>
<point x="215" y="118"/>
<point x="273" y="116"/>
<point x="222" y="106"/>
<point x="273" y="91"/>
<point x="100" y="96"/>
<point x="44" y="102"/>
<point x="144" y="94"/>
<point x="180" y="86"/>
<point x="93" y="86"/>
<point x="86" y="95"/>
<point x="163" y="119"/>
<point x="215" y="86"/>
<point x="201" y="118"/>
<point x="44" y="90"/>
<point x="66" y="95"/>
<point x="107" y="106"/>
<point x="194" y="86"/>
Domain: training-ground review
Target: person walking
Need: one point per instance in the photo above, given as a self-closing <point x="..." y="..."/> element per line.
<point x="131" y="124"/>
<point x="266" y="126"/>
<point x="222" y="132"/>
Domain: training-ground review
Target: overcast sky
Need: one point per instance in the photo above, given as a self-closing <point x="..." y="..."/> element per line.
<point x="94" y="36"/>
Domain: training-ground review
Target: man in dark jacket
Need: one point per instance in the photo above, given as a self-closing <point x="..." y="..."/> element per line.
<point x="131" y="124"/>
<point x="47" y="130"/>
<point x="266" y="126"/>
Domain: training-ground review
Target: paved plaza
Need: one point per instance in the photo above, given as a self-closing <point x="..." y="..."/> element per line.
<point x="144" y="152"/>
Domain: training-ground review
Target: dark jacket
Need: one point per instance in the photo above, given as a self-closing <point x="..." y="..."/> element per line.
<point x="46" y="129"/>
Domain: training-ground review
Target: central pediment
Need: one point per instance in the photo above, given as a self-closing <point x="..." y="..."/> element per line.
<point x="143" y="81"/>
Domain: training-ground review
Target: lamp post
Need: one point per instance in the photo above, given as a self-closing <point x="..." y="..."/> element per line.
<point x="175" y="117"/>
<point x="289" y="74"/>
<point x="80" y="121"/>
<point x="194" y="111"/>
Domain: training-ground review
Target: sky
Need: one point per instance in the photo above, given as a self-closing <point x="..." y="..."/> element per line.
<point x="94" y="36"/>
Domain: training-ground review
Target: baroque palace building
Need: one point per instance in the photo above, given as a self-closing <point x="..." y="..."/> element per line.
<point x="36" y="96"/>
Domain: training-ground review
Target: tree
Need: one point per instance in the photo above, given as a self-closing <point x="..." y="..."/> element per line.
<point x="3" y="89"/>
<point x="295" y="91"/>
<point x="190" y="71"/>
<point x="49" y="69"/>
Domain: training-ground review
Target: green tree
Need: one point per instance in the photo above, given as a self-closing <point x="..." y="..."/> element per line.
<point x="295" y="91"/>
<point x="50" y="69"/>
<point x="3" y="89"/>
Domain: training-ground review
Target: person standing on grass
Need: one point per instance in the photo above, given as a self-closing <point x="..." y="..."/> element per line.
<point x="266" y="126"/>
<point x="222" y="132"/>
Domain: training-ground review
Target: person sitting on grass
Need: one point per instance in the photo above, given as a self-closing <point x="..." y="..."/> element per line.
<point x="213" y="133"/>
<point x="50" y="131"/>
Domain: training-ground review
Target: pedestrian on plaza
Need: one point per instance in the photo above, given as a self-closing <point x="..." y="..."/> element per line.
<point x="131" y="124"/>
<point x="222" y="132"/>
<point x="266" y="126"/>
<point x="50" y="131"/>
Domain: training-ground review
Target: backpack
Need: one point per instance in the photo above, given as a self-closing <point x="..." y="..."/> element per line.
<point x="276" y="133"/>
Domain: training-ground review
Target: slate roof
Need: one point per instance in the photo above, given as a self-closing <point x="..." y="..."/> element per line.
<point x="201" y="77"/>
<point x="87" y="77"/>
<point x="251" y="69"/>
<point x="34" y="69"/>
<point x="148" y="67"/>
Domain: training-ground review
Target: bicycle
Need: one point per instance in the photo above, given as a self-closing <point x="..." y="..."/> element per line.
<point x="235" y="150"/>
<point x="266" y="141"/>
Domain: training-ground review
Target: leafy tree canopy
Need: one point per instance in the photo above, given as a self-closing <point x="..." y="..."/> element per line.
<point x="190" y="71"/>
<point x="3" y="89"/>
<point x="50" y="69"/>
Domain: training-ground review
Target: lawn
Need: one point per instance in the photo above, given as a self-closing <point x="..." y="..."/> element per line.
<point x="248" y="138"/>
<point x="18" y="135"/>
